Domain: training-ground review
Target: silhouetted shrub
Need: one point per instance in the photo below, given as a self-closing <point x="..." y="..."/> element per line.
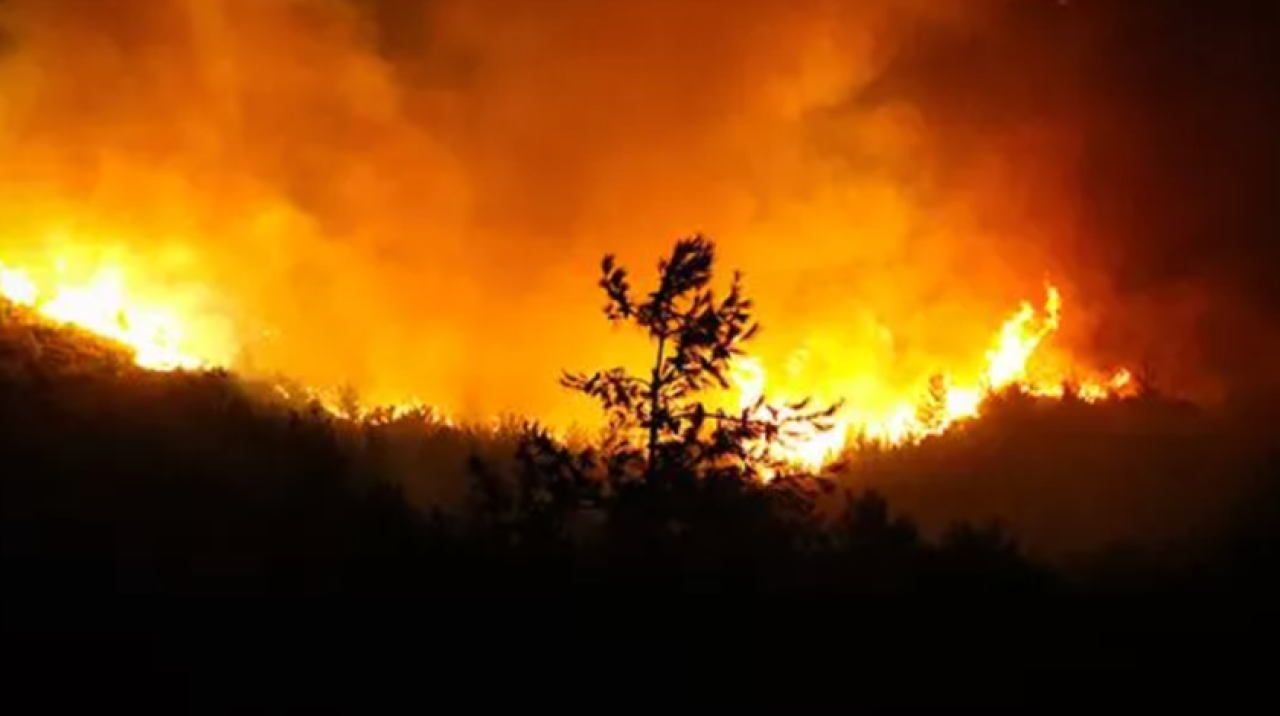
<point x="204" y="534"/>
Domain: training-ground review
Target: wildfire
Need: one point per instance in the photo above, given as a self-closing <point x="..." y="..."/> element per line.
<point x="946" y="401"/>
<point x="164" y="327"/>
<point x="106" y="300"/>
<point x="166" y="332"/>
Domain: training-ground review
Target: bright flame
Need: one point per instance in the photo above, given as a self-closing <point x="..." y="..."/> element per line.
<point x="103" y="301"/>
<point x="153" y="323"/>
<point x="1019" y="339"/>
<point x="912" y="418"/>
<point x="163" y="328"/>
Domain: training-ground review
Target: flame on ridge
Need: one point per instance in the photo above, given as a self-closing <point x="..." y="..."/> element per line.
<point x="161" y="326"/>
<point x="163" y="336"/>
<point x="946" y="401"/>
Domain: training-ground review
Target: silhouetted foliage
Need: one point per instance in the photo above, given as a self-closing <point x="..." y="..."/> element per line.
<point x="696" y="336"/>
<point x="207" y="539"/>
<point x="672" y="472"/>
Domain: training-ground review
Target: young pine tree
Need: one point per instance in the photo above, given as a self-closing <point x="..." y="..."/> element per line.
<point x="661" y="425"/>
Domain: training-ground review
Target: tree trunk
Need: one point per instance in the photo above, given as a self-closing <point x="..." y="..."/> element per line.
<point x="655" y="404"/>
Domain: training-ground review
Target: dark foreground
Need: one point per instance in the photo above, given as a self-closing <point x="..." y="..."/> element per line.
<point x="169" y="546"/>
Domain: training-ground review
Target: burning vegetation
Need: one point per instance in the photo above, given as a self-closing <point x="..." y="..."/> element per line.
<point x="924" y="461"/>
<point x="103" y="299"/>
<point x="400" y="196"/>
<point x="165" y="333"/>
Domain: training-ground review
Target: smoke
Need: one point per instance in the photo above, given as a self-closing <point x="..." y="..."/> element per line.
<point x="1142" y="162"/>
<point x="414" y="196"/>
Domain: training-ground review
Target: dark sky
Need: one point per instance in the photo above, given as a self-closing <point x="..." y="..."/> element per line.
<point x="1173" y="108"/>
<point x="1181" y="179"/>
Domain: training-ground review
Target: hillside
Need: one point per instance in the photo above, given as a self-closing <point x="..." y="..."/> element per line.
<point x="175" y="523"/>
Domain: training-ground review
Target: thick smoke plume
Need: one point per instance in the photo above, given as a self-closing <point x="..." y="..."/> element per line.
<point x="413" y="196"/>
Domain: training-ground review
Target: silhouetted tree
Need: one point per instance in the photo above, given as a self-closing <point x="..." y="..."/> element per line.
<point x="696" y="336"/>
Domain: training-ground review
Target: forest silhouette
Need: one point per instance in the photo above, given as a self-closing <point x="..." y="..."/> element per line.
<point x="200" y="541"/>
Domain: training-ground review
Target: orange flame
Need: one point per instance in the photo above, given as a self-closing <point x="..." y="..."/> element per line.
<point x="164" y="328"/>
<point x="161" y="327"/>
<point x="903" y="421"/>
<point x="167" y="332"/>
